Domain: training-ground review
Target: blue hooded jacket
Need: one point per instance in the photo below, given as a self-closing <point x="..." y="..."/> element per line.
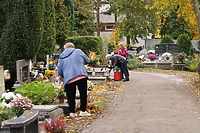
<point x="71" y="64"/>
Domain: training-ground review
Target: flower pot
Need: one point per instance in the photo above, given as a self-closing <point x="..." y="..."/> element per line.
<point x="167" y="58"/>
<point x="117" y="76"/>
<point x="51" y="78"/>
<point x="151" y="59"/>
<point x="61" y="100"/>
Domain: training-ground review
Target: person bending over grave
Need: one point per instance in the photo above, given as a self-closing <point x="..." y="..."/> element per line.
<point x="121" y="62"/>
<point x="71" y="66"/>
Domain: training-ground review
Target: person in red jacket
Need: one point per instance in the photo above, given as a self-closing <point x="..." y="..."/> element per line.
<point x="122" y="50"/>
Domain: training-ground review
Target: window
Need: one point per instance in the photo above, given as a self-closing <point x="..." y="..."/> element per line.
<point x="109" y="27"/>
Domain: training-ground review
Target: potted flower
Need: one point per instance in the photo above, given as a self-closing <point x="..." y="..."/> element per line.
<point x="166" y="56"/>
<point x="152" y="57"/>
<point x="50" y="75"/>
<point x="56" y="126"/>
<point x="20" y="104"/>
<point x="117" y="74"/>
<point x="52" y="65"/>
<point x="36" y="90"/>
<point x="61" y="96"/>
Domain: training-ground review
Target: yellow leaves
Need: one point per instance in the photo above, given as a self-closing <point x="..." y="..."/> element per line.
<point x="100" y="96"/>
<point x="185" y="10"/>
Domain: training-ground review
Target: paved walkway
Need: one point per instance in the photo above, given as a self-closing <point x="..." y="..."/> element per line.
<point x="151" y="103"/>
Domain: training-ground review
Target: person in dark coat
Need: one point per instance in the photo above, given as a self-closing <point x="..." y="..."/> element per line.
<point x="121" y="62"/>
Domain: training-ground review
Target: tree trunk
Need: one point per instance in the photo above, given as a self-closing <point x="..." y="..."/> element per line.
<point x="97" y="15"/>
<point x="196" y="10"/>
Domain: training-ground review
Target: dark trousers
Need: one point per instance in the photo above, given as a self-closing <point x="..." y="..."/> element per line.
<point x="71" y="94"/>
<point x="124" y="69"/>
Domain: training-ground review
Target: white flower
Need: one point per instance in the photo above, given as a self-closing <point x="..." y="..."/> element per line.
<point x="18" y="95"/>
<point x="7" y="96"/>
<point x="6" y="105"/>
<point x="151" y="51"/>
<point x="12" y="95"/>
<point x="141" y="56"/>
<point x="166" y="55"/>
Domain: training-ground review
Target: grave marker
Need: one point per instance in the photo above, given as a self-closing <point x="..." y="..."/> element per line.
<point x="2" y="85"/>
<point x="23" y="70"/>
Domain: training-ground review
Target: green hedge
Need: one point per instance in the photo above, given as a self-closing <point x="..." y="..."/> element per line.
<point x="87" y="43"/>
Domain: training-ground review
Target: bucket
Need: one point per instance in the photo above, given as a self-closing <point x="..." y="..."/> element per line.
<point x="117" y="76"/>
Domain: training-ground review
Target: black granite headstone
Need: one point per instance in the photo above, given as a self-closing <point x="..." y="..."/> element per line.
<point x="166" y="47"/>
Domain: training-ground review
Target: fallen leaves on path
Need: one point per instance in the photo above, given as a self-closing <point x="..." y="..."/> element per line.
<point x="99" y="98"/>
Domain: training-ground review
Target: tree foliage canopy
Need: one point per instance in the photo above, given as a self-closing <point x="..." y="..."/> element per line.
<point x="21" y="30"/>
<point x="137" y="19"/>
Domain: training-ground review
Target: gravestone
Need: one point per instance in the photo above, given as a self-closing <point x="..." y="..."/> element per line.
<point x="26" y="123"/>
<point x="53" y="110"/>
<point x="23" y="70"/>
<point x="166" y="47"/>
<point x="143" y="52"/>
<point x="2" y="85"/>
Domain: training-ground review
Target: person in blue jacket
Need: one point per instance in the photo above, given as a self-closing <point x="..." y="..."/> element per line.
<point x="71" y="66"/>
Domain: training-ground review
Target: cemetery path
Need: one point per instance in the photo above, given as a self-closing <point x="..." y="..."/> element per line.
<point x="151" y="103"/>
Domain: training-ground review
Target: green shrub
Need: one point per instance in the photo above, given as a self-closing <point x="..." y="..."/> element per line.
<point x="179" y="58"/>
<point x="192" y="64"/>
<point x="6" y="113"/>
<point x="38" y="92"/>
<point x="87" y="43"/>
<point x="185" y="44"/>
<point x="135" y="63"/>
<point x="167" y="39"/>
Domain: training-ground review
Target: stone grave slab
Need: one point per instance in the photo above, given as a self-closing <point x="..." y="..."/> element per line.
<point x="45" y="107"/>
<point x="53" y="110"/>
<point x="98" y="80"/>
<point x="26" y="123"/>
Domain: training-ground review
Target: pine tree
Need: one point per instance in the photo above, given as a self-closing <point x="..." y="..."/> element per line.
<point x="84" y="17"/>
<point x="22" y="32"/>
<point x="63" y="27"/>
<point x="175" y="26"/>
<point x="49" y="33"/>
<point x="185" y="44"/>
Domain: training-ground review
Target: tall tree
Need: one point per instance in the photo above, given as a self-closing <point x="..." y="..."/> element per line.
<point x="21" y="32"/>
<point x="137" y="19"/>
<point x="49" y="32"/>
<point x="63" y="27"/>
<point x="84" y="17"/>
<point x="175" y="26"/>
<point x="186" y="10"/>
<point x="70" y="6"/>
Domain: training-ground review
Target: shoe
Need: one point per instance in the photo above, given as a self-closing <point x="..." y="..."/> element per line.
<point x="73" y="114"/>
<point x="84" y="113"/>
<point x="125" y="80"/>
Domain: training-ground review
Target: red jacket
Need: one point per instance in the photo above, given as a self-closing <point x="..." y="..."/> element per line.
<point x="123" y="52"/>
